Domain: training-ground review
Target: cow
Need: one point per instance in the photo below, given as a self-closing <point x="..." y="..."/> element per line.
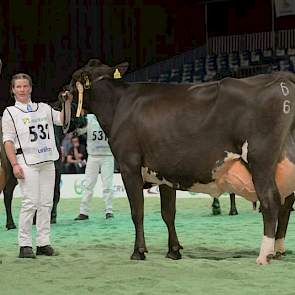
<point x="7" y="184"/>
<point x="216" y="210"/>
<point x="232" y="135"/>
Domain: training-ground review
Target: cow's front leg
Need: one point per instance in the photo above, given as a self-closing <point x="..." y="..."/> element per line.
<point x="233" y="208"/>
<point x="283" y="221"/>
<point x="134" y="188"/>
<point x="168" y="209"/>
<point x="216" y="210"/>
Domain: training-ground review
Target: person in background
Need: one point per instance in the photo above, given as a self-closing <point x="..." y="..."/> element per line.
<point x="76" y="157"/>
<point x="100" y="158"/>
<point x="29" y="142"/>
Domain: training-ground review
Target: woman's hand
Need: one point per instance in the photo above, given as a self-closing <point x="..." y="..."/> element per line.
<point x="64" y="96"/>
<point x="18" y="171"/>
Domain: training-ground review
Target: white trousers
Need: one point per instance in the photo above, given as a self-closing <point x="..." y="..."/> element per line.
<point x="37" y="190"/>
<point x="106" y="166"/>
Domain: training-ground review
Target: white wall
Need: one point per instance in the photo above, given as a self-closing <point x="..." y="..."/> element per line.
<point x="72" y="186"/>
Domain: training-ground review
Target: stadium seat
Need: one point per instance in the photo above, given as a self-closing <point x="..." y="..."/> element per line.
<point x="256" y="57"/>
<point x="175" y="76"/>
<point x="233" y="61"/>
<point x="245" y="58"/>
<point x="291" y="51"/>
<point x="267" y="56"/>
<point x="164" y="78"/>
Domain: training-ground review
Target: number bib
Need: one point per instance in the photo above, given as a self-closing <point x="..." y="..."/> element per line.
<point x="97" y="142"/>
<point x="35" y="134"/>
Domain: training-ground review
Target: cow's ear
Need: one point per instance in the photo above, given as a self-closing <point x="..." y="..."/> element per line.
<point x="122" y="68"/>
<point x="94" y="62"/>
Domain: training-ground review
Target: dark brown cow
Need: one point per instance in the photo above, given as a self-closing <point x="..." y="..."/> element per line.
<point x="213" y="138"/>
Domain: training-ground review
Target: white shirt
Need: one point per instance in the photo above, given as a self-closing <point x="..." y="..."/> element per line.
<point x="97" y="142"/>
<point x="19" y="112"/>
<point x="9" y="133"/>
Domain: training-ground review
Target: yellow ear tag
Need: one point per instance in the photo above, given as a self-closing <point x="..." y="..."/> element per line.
<point x="117" y="74"/>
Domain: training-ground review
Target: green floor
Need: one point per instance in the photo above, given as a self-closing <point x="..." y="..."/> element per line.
<point x="93" y="256"/>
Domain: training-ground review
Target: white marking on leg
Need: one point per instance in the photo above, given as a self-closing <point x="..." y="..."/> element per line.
<point x="280" y="246"/>
<point x="267" y="248"/>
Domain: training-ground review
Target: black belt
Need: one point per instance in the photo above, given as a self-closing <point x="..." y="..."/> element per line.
<point x="19" y="151"/>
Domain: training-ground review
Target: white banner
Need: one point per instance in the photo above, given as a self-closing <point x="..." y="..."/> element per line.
<point x="284" y="7"/>
<point x="72" y="186"/>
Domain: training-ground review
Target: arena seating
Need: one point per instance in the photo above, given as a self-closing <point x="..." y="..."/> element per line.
<point x="234" y="64"/>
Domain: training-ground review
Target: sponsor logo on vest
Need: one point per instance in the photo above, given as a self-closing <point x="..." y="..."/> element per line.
<point x="44" y="150"/>
<point x="26" y="120"/>
<point x="38" y="120"/>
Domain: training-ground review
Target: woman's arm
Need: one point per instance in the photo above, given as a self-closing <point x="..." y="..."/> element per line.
<point x="65" y="114"/>
<point x="10" y="152"/>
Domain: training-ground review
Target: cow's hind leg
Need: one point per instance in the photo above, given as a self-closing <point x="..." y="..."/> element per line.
<point x="233" y="208"/>
<point x="283" y="221"/>
<point x="216" y="210"/>
<point x="8" y="195"/>
<point x="168" y="210"/>
<point x="134" y="188"/>
<point x="269" y="197"/>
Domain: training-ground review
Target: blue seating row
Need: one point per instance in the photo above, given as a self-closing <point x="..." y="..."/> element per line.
<point x="236" y="64"/>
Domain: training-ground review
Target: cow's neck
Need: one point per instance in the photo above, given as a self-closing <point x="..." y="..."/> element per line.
<point x="103" y="103"/>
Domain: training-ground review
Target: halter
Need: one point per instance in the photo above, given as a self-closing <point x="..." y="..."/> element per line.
<point x="87" y="85"/>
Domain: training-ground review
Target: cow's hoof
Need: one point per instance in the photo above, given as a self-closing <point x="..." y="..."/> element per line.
<point x="233" y="212"/>
<point x="264" y="260"/>
<point x="175" y="255"/>
<point x="137" y="256"/>
<point x="279" y="255"/>
<point x="216" y="211"/>
<point x="10" y="226"/>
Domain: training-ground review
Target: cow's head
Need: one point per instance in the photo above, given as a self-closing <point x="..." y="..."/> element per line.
<point x="93" y="72"/>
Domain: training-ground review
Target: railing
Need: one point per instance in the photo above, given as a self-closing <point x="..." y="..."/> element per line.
<point x="262" y="40"/>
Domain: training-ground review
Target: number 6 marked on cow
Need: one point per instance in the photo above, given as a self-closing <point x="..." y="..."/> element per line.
<point x="285" y="89"/>
<point x="286" y="106"/>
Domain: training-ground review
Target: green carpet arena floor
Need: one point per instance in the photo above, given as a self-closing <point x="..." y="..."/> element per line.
<point x="94" y="256"/>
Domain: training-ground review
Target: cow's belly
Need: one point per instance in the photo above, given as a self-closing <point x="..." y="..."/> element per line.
<point x="233" y="177"/>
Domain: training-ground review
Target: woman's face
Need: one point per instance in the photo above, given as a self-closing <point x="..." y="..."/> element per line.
<point x="22" y="90"/>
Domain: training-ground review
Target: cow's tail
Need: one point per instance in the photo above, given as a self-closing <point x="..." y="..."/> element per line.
<point x="4" y="162"/>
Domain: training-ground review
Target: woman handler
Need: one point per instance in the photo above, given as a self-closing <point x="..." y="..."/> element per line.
<point x="28" y="138"/>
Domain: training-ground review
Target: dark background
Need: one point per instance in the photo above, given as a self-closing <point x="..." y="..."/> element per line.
<point x="49" y="39"/>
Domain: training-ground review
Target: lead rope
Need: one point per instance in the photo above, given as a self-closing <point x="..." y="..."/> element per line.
<point x="66" y="124"/>
<point x="80" y="98"/>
